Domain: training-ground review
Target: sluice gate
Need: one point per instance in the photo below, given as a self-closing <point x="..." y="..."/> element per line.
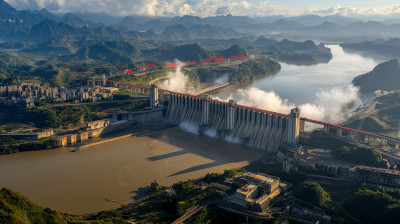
<point x="255" y="127"/>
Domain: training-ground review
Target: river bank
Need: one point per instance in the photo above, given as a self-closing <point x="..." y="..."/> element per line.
<point x="136" y="130"/>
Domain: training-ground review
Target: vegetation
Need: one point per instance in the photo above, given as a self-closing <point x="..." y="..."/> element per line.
<point x="306" y="52"/>
<point x="15" y="67"/>
<point x="251" y="68"/>
<point x="360" y="155"/>
<point x="313" y="193"/>
<point x="371" y="124"/>
<point x="115" y="52"/>
<point x="387" y="110"/>
<point x="9" y="145"/>
<point x="375" y="206"/>
<point x="320" y="140"/>
<point x="187" y="52"/>
<point x="227" y="174"/>
<point x="389" y="47"/>
<point x="235" y="50"/>
<point x="383" y="77"/>
<point x="16" y="208"/>
<point x="68" y="116"/>
<point x="142" y="79"/>
<point x="189" y="194"/>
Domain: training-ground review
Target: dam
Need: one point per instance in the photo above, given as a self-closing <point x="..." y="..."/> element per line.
<point x="254" y="127"/>
<point x="261" y="129"/>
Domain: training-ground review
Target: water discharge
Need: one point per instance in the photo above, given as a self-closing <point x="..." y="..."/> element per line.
<point x="177" y="81"/>
<point x="322" y="91"/>
<point x="328" y="105"/>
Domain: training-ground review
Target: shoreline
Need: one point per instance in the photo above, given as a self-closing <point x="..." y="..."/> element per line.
<point x="136" y="130"/>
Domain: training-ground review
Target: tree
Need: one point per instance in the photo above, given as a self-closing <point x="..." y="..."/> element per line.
<point x="44" y="118"/>
<point x="2" y="77"/>
<point x="313" y="193"/>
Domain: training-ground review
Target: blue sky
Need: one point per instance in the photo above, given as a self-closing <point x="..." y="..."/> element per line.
<point x="203" y="8"/>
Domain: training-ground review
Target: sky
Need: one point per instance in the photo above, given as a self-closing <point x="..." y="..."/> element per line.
<point x="204" y="8"/>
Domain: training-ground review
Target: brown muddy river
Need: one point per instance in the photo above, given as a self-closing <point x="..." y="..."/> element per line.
<point x="80" y="182"/>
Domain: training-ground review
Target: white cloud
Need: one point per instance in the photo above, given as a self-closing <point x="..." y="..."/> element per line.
<point x="200" y="8"/>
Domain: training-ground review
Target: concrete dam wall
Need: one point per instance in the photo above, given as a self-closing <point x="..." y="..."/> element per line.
<point x="256" y="128"/>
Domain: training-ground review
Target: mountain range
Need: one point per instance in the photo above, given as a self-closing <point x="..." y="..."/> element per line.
<point x="389" y="48"/>
<point x="21" y="25"/>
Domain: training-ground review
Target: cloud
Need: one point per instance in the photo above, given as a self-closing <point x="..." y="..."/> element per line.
<point x="350" y="11"/>
<point x="202" y="8"/>
<point x="328" y="105"/>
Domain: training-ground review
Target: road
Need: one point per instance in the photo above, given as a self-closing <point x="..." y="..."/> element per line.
<point x="194" y="210"/>
<point x="362" y="113"/>
<point x="211" y="88"/>
<point x="254" y="215"/>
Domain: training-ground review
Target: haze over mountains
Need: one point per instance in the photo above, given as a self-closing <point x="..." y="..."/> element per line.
<point x="41" y="25"/>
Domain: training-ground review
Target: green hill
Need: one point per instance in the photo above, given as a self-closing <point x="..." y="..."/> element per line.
<point x="235" y="50"/>
<point x="252" y="68"/>
<point x="116" y="52"/>
<point x="15" y="64"/>
<point x="177" y="32"/>
<point x="16" y="208"/>
<point x="385" y="76"/>
<point x="187" y="52"/>
<point x="313" y="193"/>
<point x="306" y="52"/>
<point x="48" y="30"/>
<point x="375" y="206"/>
<point x="371" y="124"/>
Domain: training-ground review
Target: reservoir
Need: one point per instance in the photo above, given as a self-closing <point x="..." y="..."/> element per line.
<point x="80" y="182"/>
<point x="324" y="86"/>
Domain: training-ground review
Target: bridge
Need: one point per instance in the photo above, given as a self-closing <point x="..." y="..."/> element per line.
<point x="255" y="127"/>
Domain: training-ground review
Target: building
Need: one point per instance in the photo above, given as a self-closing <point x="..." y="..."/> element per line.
<point x="25" y="94"/>
<point x="97" y="81"/>
<point x="93" y="125"/>
<point x="375" y="175"/>
<point x="304" y="215"/>
<point x="362" y="173"/>
<point x="255" y="191"/>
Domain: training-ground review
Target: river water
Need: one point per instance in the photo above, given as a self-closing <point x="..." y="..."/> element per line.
<point x="319" y="90"/>
<point x="79" y="182"/>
